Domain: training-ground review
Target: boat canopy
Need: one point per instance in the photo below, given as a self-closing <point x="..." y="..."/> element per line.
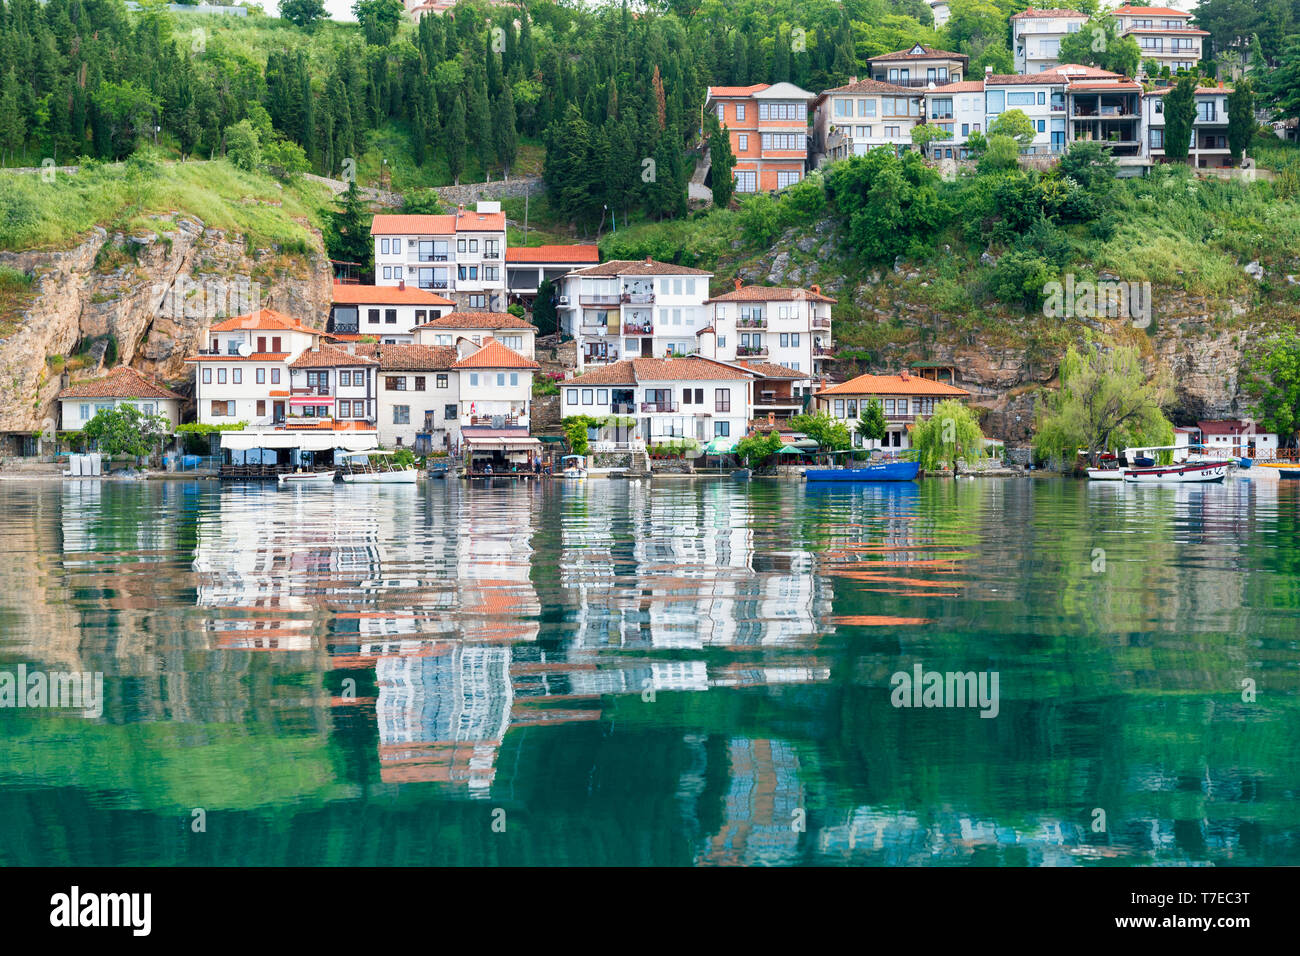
<point x="305" y="441"/>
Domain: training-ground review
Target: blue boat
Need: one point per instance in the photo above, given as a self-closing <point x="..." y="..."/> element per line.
<point x="895" y="470"/>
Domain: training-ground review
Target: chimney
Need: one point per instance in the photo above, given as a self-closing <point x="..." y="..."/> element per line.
<point x="817" y="290"/>
<point x="771" y="418"/>
<point x="737" y="285"/>
<point x="852" y="80"/>
<point x="988" y="70"/>
<point x="904" y="375"/>
<point x="648" y="260"/>
<point x="401" y="285"/>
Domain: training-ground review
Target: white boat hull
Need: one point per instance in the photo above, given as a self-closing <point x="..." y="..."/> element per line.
<point x="1184" y="473"/>
<point x="405" y="477"/>
<point x="312" y="478"/>
<point x="1106" y="474"/>
<point x="572" y="475"/>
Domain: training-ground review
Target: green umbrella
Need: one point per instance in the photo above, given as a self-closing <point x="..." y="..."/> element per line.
<point x="789" y="450"/>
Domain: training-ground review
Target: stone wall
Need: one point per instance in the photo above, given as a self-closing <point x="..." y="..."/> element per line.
<point x="469" y="193"/>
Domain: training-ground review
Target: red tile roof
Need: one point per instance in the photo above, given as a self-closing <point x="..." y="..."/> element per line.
<point x="385" y="295"/>
<point x="255" y="357"/>
<point x="724" y="91"/>
<point x="469" y="220"/>
<point x="632" y="371"/>
<point x="554" y="253"/>
<point x="893" y="385"/>
<point x="927" y="52"/>
<point x="871" y="86"/>
<point x="478" y="320"/>
<point x="122" y="382"/>
<point x="1100" y="85"/>
<point x="1126" y="10"/>
<point x="414" y="358"/>
<point x="1200" y="91"/>
<point x="965" y="86"/>
<point x="639" y="267"/>
<point x="772" y="370"/>
<point x="463" y="220"/>
<point x="327" y="356"/>
<point x="495" y="355"/>
<point x="763" y="293"/>
<point x="1032" y="14"/>
<point x="263" y="319"/>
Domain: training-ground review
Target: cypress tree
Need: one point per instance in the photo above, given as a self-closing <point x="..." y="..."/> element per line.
<point x="454" y="136"/>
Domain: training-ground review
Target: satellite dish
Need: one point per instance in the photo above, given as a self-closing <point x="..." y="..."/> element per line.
<point x="245" y="349"/>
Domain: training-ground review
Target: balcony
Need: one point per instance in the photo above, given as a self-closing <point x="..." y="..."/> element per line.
<point x="658" y="406"/>
<point x="644" y="328"/>
<point x="821" y="323"/>
<point x="491" y="255"/>
<point x="433" y="257"/>
<point x="759" y="322"/>
<point x="638" y="298"/>
<point x="599" y="299"/>
<point x="622" y="408"/>
<point x="322" y="391"/>
<point x="434" y="284"/>
<point x="496" y="421"/>
<point x="594" y="329"/>
<point x="823" y="350"/>
<point x="751" y="351"/>
<point x="917" y="83"/>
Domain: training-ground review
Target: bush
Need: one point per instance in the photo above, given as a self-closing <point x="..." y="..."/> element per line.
<point x="1020" y="277"/>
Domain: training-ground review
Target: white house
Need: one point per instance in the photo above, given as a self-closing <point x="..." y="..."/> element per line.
<point x="650" y="401"/>
<point x="461" y="254"/>
<point x="958" y="109"/>
<point x="511" y="331"/>
<point x="1209" y="139"/>
<point x="386" y="312"/>
<point x="80" y="402"/>
<point x="781" y="325"/>
<point x="418" y="395"/>
<point x="1036" y="37"/>
<point x="1163" y="34"/>
<point x="625" y="308"/>
<point x="496" y="391"/>
<point x="904" y="398"/>
<point x="528" y="266"/>
<point x="849" y="120"/>
<point x="331" y="387"/>
<point x="1237" y="438"/>
<point x="1040" y="96"/>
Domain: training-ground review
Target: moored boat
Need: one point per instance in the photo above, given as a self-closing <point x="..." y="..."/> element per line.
<point x="294" y="478"/>
<point x="1106" y="474"/>
<point x="890" y="470"/>
<point x="1184" y="472"/>
<point x="360" y="470"/>
<point x="573" y="467"/>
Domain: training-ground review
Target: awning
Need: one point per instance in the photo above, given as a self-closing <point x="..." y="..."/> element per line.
<point x="305" y="441"/>
<point x="312" y="400"/>
<point x="502" y="444"/>
<point x="720" y="446"/>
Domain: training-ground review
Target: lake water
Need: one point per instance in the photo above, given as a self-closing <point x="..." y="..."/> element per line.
<point x="683" y="672"/>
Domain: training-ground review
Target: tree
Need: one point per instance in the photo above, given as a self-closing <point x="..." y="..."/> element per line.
<point x="456" y="139"/>
<point x="758" y="449"/>
<point x="379" y="19"/>
<point x="1091" y="165"/>
<point x="1180" y="114"/>
<point x="1105" y="401"/>
<point x="871" y="422"/>
<point x="507" y="136"/>
<point x="126" y="430"/>
<point x="926" y="133"/>
<point x="576" y="429"/>
<point x="1272" y="379"/>
<point x="1282" y="85"/>
<point x="13" y="129"/>
<point x="1000" y="152"/>
<point x="830" y="434"/>
<point x="347" y="237"/>
<point x="1241" y="118"/>
<point x="890" y="204"/>
<point x="243" y="148"/>
<point x="722" y="162"/>
<point x="302" y="13"/>
<point x="1099" y="44"/>
<point x="1015" y="124"/>
<point x="544" y="313"/>
<point x="951" y="432"/>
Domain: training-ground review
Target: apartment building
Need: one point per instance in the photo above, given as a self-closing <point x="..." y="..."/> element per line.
<point x="783" y="326"/>
<point x="417" y="395"/>
<point x="1108" y="110"/>
<point x="849" y="120"/>
<point x="1036" y="37"/>
<point x="477" y="327"/>
<point x="82" y="401"/>
<point x="918" y="67"/>
<point x="904" y="399"/>
<point x="388" y="313"/>
<point x="1039" y="96"/>
<point x="496" y="388"/>
<point x="649" y="401"/>
<point x="958" y="109"/>
<point x="1209" y="141"/>
<point x="941" y="10"/>
<point x="1163" y="34"/>
<point x="768" y="127"/>
<point x="631" y="308"/>
<point x="460" y="256"/>
<point x="528" y="266"/>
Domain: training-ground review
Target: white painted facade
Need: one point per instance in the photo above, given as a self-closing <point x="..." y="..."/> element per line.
<point x="1036" y="37"/>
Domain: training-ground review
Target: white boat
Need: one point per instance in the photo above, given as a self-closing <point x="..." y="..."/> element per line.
<point x="1106" y="474"/>
<point x="358" y="470"/>
<point x="575" y="469"/>
<point x="307" y="478"/>
<point x="1182" y="472"/>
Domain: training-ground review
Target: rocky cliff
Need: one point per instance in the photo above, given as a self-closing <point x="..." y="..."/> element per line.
<point x="146" y="295"/>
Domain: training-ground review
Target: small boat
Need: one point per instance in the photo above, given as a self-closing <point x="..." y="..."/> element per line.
<point x="294" y="478"/>
<point x="742" y="474"/>
<point x="1106" y="474"/>
<point x="439" y="467"/>
<point x="1289" y="474"/>
<point x="889" y="470"/>
<point x="573" y="467"/>
<point x="359" y="470"/>
<point x="1182" y="472"/>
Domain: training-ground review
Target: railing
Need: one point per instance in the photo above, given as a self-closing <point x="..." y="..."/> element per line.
<point x="432" y="257"/>
<point x="658" y="406"/>
<point x="724" y="407"/>
<point x="494" y="419"/>
<point x="434" y="284"/>
<point x="638" y="298"/>
<point x="751" y="350"/>
<point x="321" y="390"/>
<point x="775" y="400"/>
<point x="759" y="323"/>
<point x="491" y="255"/>
<point x="599" y="299"/>
<point x="622" y="408"/>
<point x="644" y="329"/>
<point x="917" y="82"/>
<point x="594" y="330"/>
<point x="821" y="323"/>
<point x="823" y="350"/>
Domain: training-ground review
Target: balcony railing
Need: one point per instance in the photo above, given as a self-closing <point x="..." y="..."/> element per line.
<point x="638" y="298"/>
<point x="752" y="323"/>
<point x="917" y="82"/>
<point x="821" y="323"/>
<point x="751" y="350"/>
<point x="599" y="299"/>
<point x="594" y="329"/>
<point x="312" y="390"/>
<point x="823" y="350"/>
<point x="433" y="257"/>
<point x="622" y="408"/>
<point x="658" y="406"/>
<point x="644" y="328"/>
<point x="434" y="284"/>
<point x="491" y="255"/>
<point x="494" y="420"/>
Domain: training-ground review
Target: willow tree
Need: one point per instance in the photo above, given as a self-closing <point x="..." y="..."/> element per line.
<point x="951" y="432"/>
<point x="1105" y="401"/>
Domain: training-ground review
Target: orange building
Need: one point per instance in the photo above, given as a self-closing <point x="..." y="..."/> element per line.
<point x="768" y="127"/>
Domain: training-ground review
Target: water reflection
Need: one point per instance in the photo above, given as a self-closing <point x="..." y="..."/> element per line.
<point x="669" y="672"/>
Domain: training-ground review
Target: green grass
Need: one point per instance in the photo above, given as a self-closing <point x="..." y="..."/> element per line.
<point x="15" y="294"/>
<point x="38" y="214"/>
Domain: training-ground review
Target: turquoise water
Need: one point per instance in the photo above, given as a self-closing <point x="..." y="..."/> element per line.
<point x="683" y="672"/>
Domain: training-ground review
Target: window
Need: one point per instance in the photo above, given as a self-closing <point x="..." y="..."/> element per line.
<point x="785" y="340"/>
<point x="994" y="101"/>
<point x="746" y="181"/>
<point x="843" y="107"/>
<point x="237" y="376"/>
<point x="345" y="409"/>
<point x="839" y="408"/>
<point x="275" y="376"/>
<point x="1020" y="99"/>
<point x="261" y="407"/>
<point x="742" y="142"/>
<point x="345" y="378"/>
<point x="390" y="316"/>
<point x="1157" y="138"/>
<point x="1042" y="98"/>
<point x="383" y="246"/>
<point x="449" y="412"/>
<point x="902" y="406"/>
<point x="571" y="396"/>
<point x="460" y="245"/>
<point x="602" y="396"/>
<point x="782" y="141"/>
<point x="473" y="379"/>
<point x="478" y="301"/>
<point x="85" y="411"/>
<point x="852" y="408"/>
<point x="395" y="383"/>
<point x="722" y="429"/>
<point x="587" y="396"/>
<point x="260" y="376"/>
<point x="491" y="273"/>
<point x="1205" y="112"/>
<point x="740" y="111"/>
<point x="866" y="107"/>
<point x="786" y="178"/>
<point x="501" y="379"/>
<point x="401" y="414"/>
<point x="722" y="112"/>
<point x="514" y="378"/>
<point x="516" y="342"/>
<point x="372" y="315"/>
<point x="1042" y="126"/>
<point x="722" y="399"/>
<point x="440" y="381"/>
<point x="207" y="375"/>
<point x="221" y="376"/>
<point x="388" y="272"/>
